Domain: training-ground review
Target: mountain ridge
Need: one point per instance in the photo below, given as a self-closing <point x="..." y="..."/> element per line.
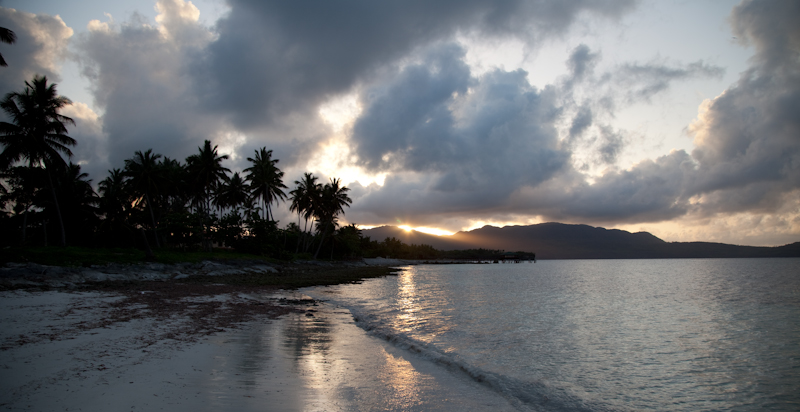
<point x="555" y="240"/>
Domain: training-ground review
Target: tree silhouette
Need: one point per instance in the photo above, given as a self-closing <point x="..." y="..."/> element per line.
<point x="79" y="201"/>
<point x="25" y="184"/>
<point x="266" y="180"/>
<point x="206" y="172"/>
<point x="115" y="203"/>
<point x="304" y="196"/>
<point x="233" y="194"/>
<point x="37" y="132"/>
<point x="145" y="178"/>
<point x="6" y="36"/>
<point x="331" y="201"/>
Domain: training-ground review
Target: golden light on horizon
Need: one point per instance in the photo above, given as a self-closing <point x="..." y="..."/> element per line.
<point x="433" y="231"/>
<point x="424" y="229"/>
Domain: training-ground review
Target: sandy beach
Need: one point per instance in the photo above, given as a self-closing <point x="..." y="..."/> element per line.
<point x="222" y="349"/>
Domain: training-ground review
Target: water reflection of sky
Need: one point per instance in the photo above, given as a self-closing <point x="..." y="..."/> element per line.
<point x="407" y="298"/>
<point x="321" y="360"/>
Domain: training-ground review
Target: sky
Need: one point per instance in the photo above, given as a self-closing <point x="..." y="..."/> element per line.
<point x="680" y="118"/>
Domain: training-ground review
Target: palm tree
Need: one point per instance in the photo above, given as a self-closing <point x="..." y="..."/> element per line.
<point x="145" y="178"/>
<point x="233" y="194"/>
<point x="332" y="200"/>
<point x="79" y="201"/>
<point x="303" y="199"/>
<point x="173" y="186"/>
<point x="266" y="180"/>
<point x="37" y="133"/>
<point x="6" y="36"/>
<point x="205" y="174"/>
<point x="25" y="183"/>
<point x="303" y="196"/>
<point x="115" y="201"/>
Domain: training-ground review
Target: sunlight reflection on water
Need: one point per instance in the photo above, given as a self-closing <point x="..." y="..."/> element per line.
<point x="321" y="361"/>
<point x="635" y="334"/>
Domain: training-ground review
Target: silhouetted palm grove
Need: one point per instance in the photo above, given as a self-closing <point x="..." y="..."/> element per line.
<point x="154" y="201"/>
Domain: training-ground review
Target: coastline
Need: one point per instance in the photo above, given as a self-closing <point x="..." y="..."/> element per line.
<point x="129" y="342"/>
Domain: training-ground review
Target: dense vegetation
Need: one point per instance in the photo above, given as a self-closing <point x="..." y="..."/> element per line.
<point x="156" y="203"/>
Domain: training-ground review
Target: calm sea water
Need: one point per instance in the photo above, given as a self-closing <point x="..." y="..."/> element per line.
<point x="680" y="335"/>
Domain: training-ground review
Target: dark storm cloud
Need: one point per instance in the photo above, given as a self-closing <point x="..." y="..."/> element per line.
<point x="772" y="27"/>
<point x="408" y="123"/>
<point x="258" y="77"/>
<point x="139" y="80"/>
<point x="468" y="142"/>
<point x="275" y="57"/>
<point x="748" y="138"/>
<point x="435" y="117"/>
<point x="479" y="146"/>
<point x="746" y="156"/>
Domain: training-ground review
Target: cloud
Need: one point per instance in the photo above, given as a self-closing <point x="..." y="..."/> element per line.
<point x="746" y="139"/>
<point x="590" y="101"/>
<point x="455" y="143"/>
<point x="275" y="57"/>
<point x="643" y="81"/>
<point x="40" y="48"/>
<point x="141" y="81"/>
<point x="456" y="147"/>
<point x="92" y="149"/>
<point x="581" y="63"/>
<point x="745" y="162"/>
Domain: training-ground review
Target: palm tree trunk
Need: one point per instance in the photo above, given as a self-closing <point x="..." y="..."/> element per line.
<point x="307" y="240"/>
<point x="58" y="209"/>
<point x="149" y="256"/>
<point x="24" y="225"/>
<point x="321" y="241"/>
<point x="152" y="218"/>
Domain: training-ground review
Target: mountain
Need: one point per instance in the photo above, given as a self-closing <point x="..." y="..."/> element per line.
<point x="563" y="241"/>
<point x="412" y="237"/>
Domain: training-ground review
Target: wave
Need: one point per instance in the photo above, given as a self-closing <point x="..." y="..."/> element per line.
<point x="522" y="394"/>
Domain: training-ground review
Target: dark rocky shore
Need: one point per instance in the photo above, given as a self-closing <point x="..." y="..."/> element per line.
<point x="32" y="275"/>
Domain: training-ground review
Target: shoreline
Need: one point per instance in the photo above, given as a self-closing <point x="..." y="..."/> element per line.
<point x="286" y="275"/>
<point x="209" y="347"/>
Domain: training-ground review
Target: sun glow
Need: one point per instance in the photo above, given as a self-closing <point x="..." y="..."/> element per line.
<point x="428" y="230"/>
<point x="433" y="231"/>
<point x="334" y="157"/>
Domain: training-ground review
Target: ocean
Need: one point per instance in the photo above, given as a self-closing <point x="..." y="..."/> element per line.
<point x="596" y="335"/>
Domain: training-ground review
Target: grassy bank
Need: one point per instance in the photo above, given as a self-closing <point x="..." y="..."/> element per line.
<point x="84" y="256"/>
<point x="288" y="276"/>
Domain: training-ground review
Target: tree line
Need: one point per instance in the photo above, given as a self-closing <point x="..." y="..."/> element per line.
<point x="153" y="201"/>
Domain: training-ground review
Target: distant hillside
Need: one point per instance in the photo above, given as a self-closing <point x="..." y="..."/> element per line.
<point x="414" y="238"/>
<point x="562" y="241"/>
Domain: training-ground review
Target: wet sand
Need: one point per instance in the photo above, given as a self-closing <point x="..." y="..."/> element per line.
<point x="106" y="351"/>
